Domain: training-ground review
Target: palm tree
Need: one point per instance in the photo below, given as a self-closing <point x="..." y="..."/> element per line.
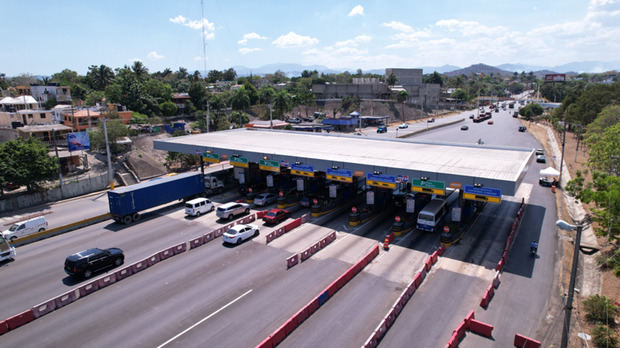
<point x="139" y="69"/>
<point x="401" y="97"/>
<point x="240" y="100"/>
<point x="282" y="102"/>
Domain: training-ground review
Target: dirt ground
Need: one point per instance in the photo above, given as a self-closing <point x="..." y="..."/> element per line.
<point x="576" y="159"/>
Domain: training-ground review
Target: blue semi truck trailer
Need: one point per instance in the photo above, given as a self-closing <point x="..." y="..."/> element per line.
<point x="127" y="202"/>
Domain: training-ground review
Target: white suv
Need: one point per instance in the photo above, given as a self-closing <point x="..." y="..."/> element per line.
<point x="198" y="206"/>
<point x="230" y="210"/>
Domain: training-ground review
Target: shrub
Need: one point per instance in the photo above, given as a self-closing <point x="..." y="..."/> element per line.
<point x="600" y="309"/>
<point x="604" y="337"/>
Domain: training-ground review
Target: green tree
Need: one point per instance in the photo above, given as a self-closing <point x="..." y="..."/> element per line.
<point x="94" y="97"/>
<point x="158" y="90"/>
<point x="78" y="92"/>
<point x="251" y="91"/>
<point x="604" y="337"/>
<point x="282" y="102"/>
<point x="605" y="149"/>
<point x="305" y="98"/>
<point x="213" y="76"/>
<point x="350" y="103"/>
<point x="531" y="110"/>
<point x="391" y="80"/>
<point x="229" y="74"/>
<point x="138" y="118"/>
<point x="401" y="97"/>
<point x="99" y="77"/>
<point x="459" y="94"/>
<point x="140" y="70"/>
<point x="50" y="103"/>
<point x="198" y="94"/>
<point x="240" y="100"/>
<point x="116" y="130"/>
<point x="608" y="117"/>
<point x="239" y="118"/>
<point x="26" y="161"/>
<point x="66" y="78"/>
<point x="266" y="94"/>
<point x="168" y="108"/>
<point x="600" y="309"/>
<point x="435" y="77"/>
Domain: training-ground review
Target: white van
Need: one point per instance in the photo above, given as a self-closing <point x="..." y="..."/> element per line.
<point x="24" y="228"/>
<point x="198" y="206"/>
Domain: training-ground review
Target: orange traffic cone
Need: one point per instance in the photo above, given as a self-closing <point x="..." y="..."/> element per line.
<point x="386" y="243"/>
<point x="553" y="188"/>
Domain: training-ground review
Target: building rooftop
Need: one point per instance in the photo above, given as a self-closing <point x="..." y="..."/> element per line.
<point x="44" y="128"/>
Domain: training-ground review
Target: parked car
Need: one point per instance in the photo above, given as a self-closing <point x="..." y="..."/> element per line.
<point x="548" y="182"/>
<point x="293" y="120"/>
<point x="403" y="125"/>
<point x="275" y="216"/>
<point x="471" y="116"/>
<point x="198" y="206"/>
<point x="540" y="152"/>
<point x="430" y="120"/>
<point x="382" y="129"/>
<point x="264" y="198"/>
<point x="464" y="127"/>
<point x="522" y="129"/>
<point x="490" y="122"/>
<point x="86" y="263"/>
<point x="230" y="210"/>
<point x="238" y="233"/>
<point x="24" y="228"/>
<point x="541" y="159"/>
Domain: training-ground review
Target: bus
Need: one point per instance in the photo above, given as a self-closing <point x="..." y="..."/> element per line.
<point x="434" y="212"/>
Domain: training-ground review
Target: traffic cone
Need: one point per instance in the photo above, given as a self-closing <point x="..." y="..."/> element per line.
<point x="553" y="188"/>
<point x="386" y="243"/>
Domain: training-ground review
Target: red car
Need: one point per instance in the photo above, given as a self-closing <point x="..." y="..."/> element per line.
<point x="275" y="216"/>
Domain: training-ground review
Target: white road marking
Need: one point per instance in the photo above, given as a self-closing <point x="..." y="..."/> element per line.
<point x="204" y="319"/>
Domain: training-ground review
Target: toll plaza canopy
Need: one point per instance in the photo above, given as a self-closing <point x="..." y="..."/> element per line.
<point x="500" y="168"/>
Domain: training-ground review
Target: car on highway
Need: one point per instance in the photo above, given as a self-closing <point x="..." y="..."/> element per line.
<point x="293" y="120"/>
<point x="541" y="159"/>
<point x="464" y="127"/>
<point x="228" y="211"/>
<point x="239" y="233"/>
<point x="548" y="182"/>
<point x="24" y="228"/>
<point x="522" y="129"/>
<point x="431" y="120"/>
<point x="403" y="125"/>
<point x="382" y="129"/>
<point x="198" y="206"/>
<point x="265" y="198"/>
<point x="275" y="216"/>
<point x="490" y="122"/>
<point x="85" y="263"/>
<point x="540" y="152"/>
<point x="471" y="116"/>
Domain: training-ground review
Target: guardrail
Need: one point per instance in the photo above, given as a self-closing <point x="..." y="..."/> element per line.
<point x="430" y="128"/>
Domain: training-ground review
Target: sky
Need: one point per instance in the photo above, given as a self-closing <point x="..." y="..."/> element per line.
<point x="45" y="37"/>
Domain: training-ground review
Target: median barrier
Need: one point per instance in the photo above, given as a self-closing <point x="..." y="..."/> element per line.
<point x="500" y="265"/>
<point x="269" y="237"/>
<point x="460" y="330"/>
<point x="65" y="299"/>
<point x="44" y="308"/>
<point x="88" y="288"/>
<point x="164" y="254"/>
<point x="251" y="218"/>
<point x="323" y="242"/>
<point x="180" y="248"/>
<point x="292" y="261"/>
<point x="20" y="319"/>
<point x="207" y="238"/>
<point x="196" y="242"/>
<point x="281" y="231"/>
<point x="260" y="214"/>
<point x="428" y="263"/>
<point x="218" y="232"/>
<point x="434" y="257"/>
<point x="481" y="328"/>
<point x="305" y="218"/>
<point x="496" y="280"/>
<point x="107" y="280"/>
<point x="124" y="273"/>
<point x="305" y="255"/>
<point x="139" y="266"/>
<point x="441" y="250"/>
<point x="469" y="317"/>
<point x="4" y="327"/>
<point x="525" y="342"/>
<point x="316" y="247"/>
<point x="153" y="259"/>
<point x="266" y="343"/>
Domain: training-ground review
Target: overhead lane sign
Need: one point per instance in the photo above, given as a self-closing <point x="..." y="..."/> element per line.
<point x="428" y="186"/>
<point x="211" y="157"/>
<point x="239" y="162"/>
<point x="342" y="175"/>
<point x="482" y="194"/>
<point x="381" y="180"/>
<point x="302" y="170"/>
<point x="271" y="166"/>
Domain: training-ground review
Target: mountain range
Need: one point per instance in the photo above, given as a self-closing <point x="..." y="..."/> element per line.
<point x="504" y="69"/>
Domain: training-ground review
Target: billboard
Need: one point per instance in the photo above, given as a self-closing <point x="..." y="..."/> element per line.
<point x="78" y="141"/>
<point x="555" y="77"/>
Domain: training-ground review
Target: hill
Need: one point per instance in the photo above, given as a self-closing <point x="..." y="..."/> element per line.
<point x="479" y="69"/>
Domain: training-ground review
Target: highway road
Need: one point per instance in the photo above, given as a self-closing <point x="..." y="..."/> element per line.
<point x="236" y="296"/>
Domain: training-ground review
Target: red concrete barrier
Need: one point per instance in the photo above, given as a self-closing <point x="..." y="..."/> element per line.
<point x="435" y="256"/>
<point x="139" y="266"/>
<point x="417" y="279"/>
<point x="107" y="280"/>
<point x="525" y="342"/>
<point x="208" y="237"/>
<point x="195" y="243"/>
<point x="164" y="254"/>
<point x="496" y="280"/>
<point x="124" y="273"/>
<point x="292" y="261"/>
<point x="305" y="254"/>
<point x="460" y="330"/>
<point x="468" y="318"/>
<point x="500" y="265"/>
<point x="65" y="299"/>
<point x="180" y="248"/>
<point x="89" y="288"/>
<point x="219" y="232"/>
<point x="481" y="328"/>
<point x="271" y="236"/>
<point x="278" y="336"/>
<point x="441" y="250"/>
<point x="324" y="242"/>
<point x="290" y="325"/>
<point x="488" y="294"/>
<point x="20" y="319"/>
<point x="4" y="328"/>
<point x="260" y="214"/>
<point x="428" y="263"/>
<point x="305" y="218"/>
<point x="153" y="259"/>
<point x="266" y="343"/>
<point x="44" y="308"/>
<point x="251" y="218"/>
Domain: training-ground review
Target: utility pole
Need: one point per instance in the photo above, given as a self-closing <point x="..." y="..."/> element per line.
<point x="207" y="116"/>
<point x="270" y="117"/>
<point x="562" y="158"/>
<point x="107" y="150"/>
<point x="58" y="158"/>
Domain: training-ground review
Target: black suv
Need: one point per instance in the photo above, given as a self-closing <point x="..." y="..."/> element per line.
<point x="85" y="263"/>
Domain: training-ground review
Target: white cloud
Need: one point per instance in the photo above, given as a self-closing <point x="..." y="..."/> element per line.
<point x="153" y="55"/>
<point x="197" y="59"/>
<point x="469" y="28"/>
<point x="135" y="60"/>
<point x="247" y="50"/>
<point x="294" y="40"/>
<point x="355" y="41"/>
<point x="250" y="36"/>
<point x="400" y="26"/>
<point x="209" y="27"/>
<point x="357" y="11"/>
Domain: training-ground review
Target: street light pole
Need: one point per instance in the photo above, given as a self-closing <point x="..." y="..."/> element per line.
<point x="571" y="284"/>
<point x="562" y="158"/>
<point x="270" y="117"/>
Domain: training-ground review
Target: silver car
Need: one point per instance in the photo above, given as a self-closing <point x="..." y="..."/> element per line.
<point x="264" y="198"/>
<point x="229" y="210"/>
<point x="238" y="233"/>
